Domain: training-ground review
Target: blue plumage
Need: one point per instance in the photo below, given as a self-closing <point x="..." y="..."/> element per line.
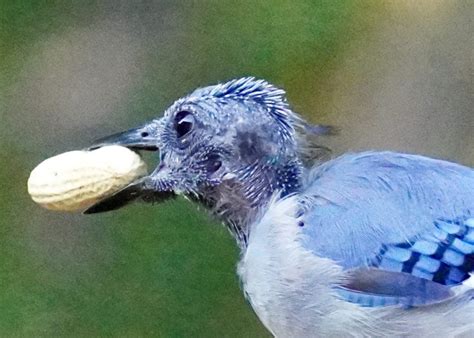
<point x="446" y="257"/>
<point x="395" y="212"/>
<point x="335" y="248"/>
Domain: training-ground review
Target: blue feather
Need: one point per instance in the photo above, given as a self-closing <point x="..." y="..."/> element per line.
<point x="402" y="213"/>
<point x="261" y="92"/>
<point x="374" y="287"/>
<point x="428" y="264"/>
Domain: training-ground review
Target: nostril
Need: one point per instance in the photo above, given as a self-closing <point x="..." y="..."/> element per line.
<point x="144" y="134"/>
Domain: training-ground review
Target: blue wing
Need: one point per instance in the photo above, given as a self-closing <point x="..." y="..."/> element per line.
<point x="445" y="255"/>
<point x="392" y="212"/>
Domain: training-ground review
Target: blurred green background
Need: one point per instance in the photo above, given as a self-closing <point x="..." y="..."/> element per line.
<point x="392" y="75"/>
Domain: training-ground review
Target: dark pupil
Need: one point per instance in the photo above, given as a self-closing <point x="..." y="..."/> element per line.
<point x="182" y="127"/>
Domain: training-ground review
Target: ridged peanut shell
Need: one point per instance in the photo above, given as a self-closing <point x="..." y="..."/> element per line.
<point x="75" y="180"/>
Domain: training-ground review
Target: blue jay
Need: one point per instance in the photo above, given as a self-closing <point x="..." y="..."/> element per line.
<point x="366" y="244"/>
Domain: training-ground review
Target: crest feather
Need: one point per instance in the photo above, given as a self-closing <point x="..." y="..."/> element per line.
<point x="264" y="93"/>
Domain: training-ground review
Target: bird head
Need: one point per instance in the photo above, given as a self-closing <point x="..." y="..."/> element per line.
<point x="229" y="146"/>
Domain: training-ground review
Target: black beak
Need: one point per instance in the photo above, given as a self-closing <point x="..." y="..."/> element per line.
<point x="138" y="139"/>
<point x="132" y="192"/>
<point x="118" y="200"/>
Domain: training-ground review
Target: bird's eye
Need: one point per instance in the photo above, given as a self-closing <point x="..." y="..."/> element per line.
<point x="183" y="123"/>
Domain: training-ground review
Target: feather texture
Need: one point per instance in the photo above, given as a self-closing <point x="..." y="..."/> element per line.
<point x="368" y="244"/>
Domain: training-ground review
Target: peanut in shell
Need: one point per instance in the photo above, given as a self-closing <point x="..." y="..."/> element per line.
<point x="76" y="180"/>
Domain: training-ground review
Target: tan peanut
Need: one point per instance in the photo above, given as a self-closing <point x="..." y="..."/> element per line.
<point x="75" y="180"/>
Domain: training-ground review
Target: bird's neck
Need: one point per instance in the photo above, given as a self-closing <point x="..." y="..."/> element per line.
<point x="239" y="201"/>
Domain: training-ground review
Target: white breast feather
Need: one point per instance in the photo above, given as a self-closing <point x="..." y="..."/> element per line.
<point x="291" y="290"/>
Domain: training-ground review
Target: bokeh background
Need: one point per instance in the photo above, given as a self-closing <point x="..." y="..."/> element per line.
<point x="391" y="74"/>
